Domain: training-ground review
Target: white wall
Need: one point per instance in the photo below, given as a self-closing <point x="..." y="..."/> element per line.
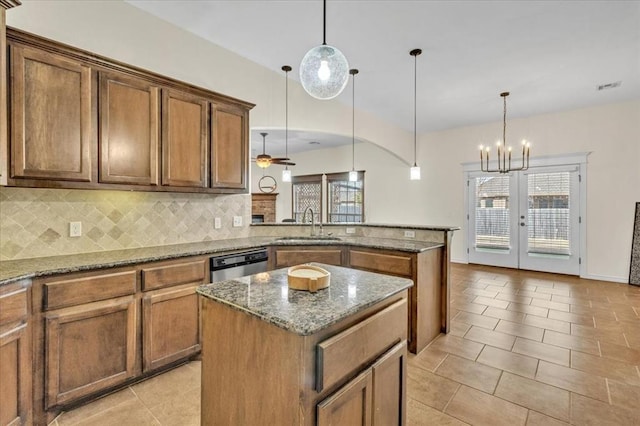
<point x="610" y="132"/>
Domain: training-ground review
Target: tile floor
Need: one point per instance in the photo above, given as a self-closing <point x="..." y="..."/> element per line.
<point x="524" y="348"/>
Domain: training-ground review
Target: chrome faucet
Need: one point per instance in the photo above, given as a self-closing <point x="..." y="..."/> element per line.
<point x="313" y="220"/>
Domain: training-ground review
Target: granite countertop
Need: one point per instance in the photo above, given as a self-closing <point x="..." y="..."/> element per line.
<point x="267" y="296"/>
<point x="366" y="225"/>
<point x="14" y="270"/>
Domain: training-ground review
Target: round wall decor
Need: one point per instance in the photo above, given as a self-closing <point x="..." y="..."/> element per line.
<point x="267" y="184"/>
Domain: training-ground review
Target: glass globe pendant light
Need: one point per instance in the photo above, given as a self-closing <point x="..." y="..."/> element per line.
<point x="324" y="70"/>
<point x="286" y="173"/>
<point x="414" y="173"/>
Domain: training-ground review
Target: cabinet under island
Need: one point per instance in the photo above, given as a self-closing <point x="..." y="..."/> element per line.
<point x="272" y="355"/>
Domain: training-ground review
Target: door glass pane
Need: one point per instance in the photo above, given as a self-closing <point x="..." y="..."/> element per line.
<point x="549" y="202"/>
<point x="492" y="212"/>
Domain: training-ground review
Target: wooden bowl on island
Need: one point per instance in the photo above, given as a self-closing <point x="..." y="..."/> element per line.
<point x="308" y="277"/>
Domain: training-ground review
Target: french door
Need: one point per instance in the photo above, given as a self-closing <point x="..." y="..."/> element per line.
<point x="526" y="220"/>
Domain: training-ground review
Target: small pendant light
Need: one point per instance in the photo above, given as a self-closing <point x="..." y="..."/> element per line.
<point x="353" y="175"/>
<point x="415" y="170"/>
<point x="286" y="173"/>
<point x="323" y="70"/>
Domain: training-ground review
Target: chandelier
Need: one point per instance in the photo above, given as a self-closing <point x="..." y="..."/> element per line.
<point x="504" y="151"/>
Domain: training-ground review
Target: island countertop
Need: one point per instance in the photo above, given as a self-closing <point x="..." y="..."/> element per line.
<point x="267" y="296"/>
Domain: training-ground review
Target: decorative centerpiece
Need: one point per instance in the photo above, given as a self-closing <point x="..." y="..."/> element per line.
<point x="308" y="277"/>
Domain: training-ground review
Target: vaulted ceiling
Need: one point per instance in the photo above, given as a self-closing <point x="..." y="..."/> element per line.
<point x="551" y="55"/>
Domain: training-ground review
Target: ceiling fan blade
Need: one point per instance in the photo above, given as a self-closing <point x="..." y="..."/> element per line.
<point x="284" y="163"/>
<point x="280" y="159"/>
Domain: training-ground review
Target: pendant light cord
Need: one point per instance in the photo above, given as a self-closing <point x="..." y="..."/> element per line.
<point x="415" y="114"/>
<point x="324" y="22"/>
<point x="353" y="123"/>
<point x="286" y="115"/>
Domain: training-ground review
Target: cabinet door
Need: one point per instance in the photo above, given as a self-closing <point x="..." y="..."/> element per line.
<point x="350" y="405"/>
<point x="229" y="147"/>
<point x="88" y="348"/>
<point x="185" y="139"/>
<point x="171" y="325"/>
<point x="389" y="387"/>
<point x="15" y="359"/>
<point x="129" y="130"/>
<point x="51" y="117"/>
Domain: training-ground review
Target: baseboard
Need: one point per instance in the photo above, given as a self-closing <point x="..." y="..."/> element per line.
<point x="623" y="280"/>
<point x="464" y="261"/>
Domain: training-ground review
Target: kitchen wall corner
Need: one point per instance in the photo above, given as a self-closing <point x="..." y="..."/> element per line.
<point x="35" y="222"/>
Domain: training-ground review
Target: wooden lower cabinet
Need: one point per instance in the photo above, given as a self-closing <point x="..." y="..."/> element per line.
<point x="170" y="325"/>
<point x="15" y="357"/>
<point x="426" y="310"/>
<point x="89" y="348"/>
<point x="351" y="373"/>
<point x="282" y="256"/>
<point x="376" y="397"/>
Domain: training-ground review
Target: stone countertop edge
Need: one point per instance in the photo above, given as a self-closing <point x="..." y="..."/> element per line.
<point x="16" y="270"/>
<point x="267" y="296"/>
<point x="370" y="225"/>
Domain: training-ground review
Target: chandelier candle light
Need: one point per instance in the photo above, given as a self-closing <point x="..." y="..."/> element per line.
<point x="504" y="151"/>
<point x="286" y="173"/>
<point x="324" y="69"/>
<point x="353" y="174"/>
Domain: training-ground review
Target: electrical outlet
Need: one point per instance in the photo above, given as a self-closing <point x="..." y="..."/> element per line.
<point x="351" y="230"/>
<point x="75" y="229"/>
<point x="237" y="221"/>
<point x="409" y="234"/>
<point x="217" y="223"/>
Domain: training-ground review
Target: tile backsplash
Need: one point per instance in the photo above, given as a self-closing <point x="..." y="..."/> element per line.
<point x="35" y="222"/>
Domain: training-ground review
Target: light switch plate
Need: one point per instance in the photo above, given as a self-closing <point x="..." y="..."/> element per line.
<point x="75" y="229"/>
<point x="217" y="223"/>
<point x="237" y="221"/>
<point x="350" y="230"/>
<point x="409" y="234"/>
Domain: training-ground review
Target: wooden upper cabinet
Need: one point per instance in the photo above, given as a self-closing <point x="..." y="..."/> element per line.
<point x="51" y="126"/>
<point x="185" y="139"/>
<point x="229" y="147"/>
<point x="129" y="130"/>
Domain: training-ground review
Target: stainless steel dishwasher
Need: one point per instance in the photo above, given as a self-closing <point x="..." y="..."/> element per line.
<point x="229" y="266"/>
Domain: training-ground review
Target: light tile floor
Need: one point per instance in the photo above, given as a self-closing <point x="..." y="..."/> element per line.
<point x="524" y="348"/>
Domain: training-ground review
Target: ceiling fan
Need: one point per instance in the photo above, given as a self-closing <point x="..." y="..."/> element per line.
<point x="265" y="160"/>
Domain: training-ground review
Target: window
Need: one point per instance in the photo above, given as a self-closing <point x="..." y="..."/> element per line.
<point x="345" y="199"/>
<point x="306" y="191"/>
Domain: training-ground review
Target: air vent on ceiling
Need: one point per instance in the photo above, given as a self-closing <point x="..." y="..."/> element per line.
<point x="609" y="85"/>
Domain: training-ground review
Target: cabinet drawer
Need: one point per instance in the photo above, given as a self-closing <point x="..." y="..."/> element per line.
<point x="60" y="294"/>
<point x="351" y="350"/>
<point x="168" y="275"/>
<point x="298" y="256"/>
<point x="385" y="263"/>
<point x="13" y="307"/>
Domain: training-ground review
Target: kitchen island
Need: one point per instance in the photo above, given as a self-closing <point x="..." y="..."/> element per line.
<point x="272" y="355"/>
